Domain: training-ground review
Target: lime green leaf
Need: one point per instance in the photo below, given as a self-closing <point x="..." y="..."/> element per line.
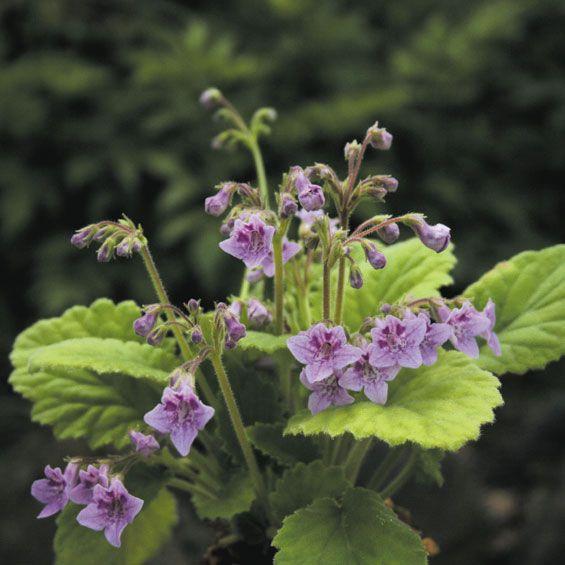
<point x="266" y="343"/>
<point x="236" y="497"/>
<point x="141" y="539"/>
<point x="303" y="484"/>
<point x="359" y="530"/>
<point x="412" y="269"/>
<point x="105" y="356"/>
<point x="442" y="406"/>
<point x="269" y="439"/>
<point x="529" y="293"/>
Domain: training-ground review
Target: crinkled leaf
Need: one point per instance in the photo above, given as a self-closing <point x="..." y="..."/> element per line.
<point x="105" y="356"/>
<point x="266" y="343"/>
<point x="141" y="539"/>
<point x="359" y="530"/>
<point x="412" y="269"/>
<point x="303" y="484"/>
<point x="269" y="439"/>
<point x="529" y="293"/>
<point x="235" y="497"/>
<point x="442" y="406"/>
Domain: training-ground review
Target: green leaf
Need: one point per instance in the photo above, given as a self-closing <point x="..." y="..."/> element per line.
<point x="266" y="343"/>
<point x="529" y="293"/>
<point x="236" y="497"/>
<point x="105" y="356"/>
<point x="360" y="530"/>
<point x="428" y="466"/>
<point x="269" y="439"/>
<point x="60" y="365"/>
<point x="141" y="539"/>
<point x="442" y="406"/>
<point x="412" y="269"/>
<point x="303" y="484"/>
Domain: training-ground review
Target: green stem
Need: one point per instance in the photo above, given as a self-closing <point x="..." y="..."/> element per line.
<point x="340" y="291"/>
<point x="279" y="282"/>
<point x="239" y="428"/>
<point x="402" y="477"/>
<point x="326" y="291"/>
<point x="260" y="168"/>
<point x="355" y="459"/>
<point x="190" y="487"/>
<point x="383" y="470"/>
<point x="244" y="289"/>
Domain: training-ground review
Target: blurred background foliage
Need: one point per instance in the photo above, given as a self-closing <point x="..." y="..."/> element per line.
<point x="99" y="115"/>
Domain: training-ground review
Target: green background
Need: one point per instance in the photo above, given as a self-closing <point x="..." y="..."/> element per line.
<point x="99" y="115"/>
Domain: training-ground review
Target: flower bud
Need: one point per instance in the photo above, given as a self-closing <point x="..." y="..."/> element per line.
<point x="355" y="277"/>
<point x="380" y="138"/>
<point x="351" y="150"/>
<point x="125" y="248"/>
<point x="389" y="183"/>
<point x="196" y="335"/>
<point x="234" y="328"/>
<point x="83" y="237"/>
<point x="143" y="325"/>
<point x="104" y="253"/>
<point x="375" y="258"/>
<point x="210" y="98"/>
<point x="310" y="196"/>
<point x="257" y="313"/>
<point x="386" y="308"/>
<point x="155" y="337"/>
<point x="389" y="233"/>
<point x="435" y="237"/>
<point x="288" y="206"/>
<point x="227" y="227"/>
<point x="216" y="205"/>
<point x="193" y="306"/>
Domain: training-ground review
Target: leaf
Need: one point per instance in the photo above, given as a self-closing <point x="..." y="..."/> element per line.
<point x="442" y="406"/>
<point x="303" y="484"/>
<point x="360" y="530"/>
<point x="529" y="293"/>
<point x="236" y="497"/>
<point x="428" y="466"/>
<point x="81" y="402"/>
<point x="105" y="356"/>
<point x="269" y="439"/>
<point x="266" y="343"/>
<point x="141" y="539"/>
<point x="412" y="269"/>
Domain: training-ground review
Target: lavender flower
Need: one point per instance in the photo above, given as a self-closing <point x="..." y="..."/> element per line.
<point x="83" y="492"/>
<point x="257" y="313"/>
<point x="288" y="206"/>
<point x="492" y="339"/>
<point x="216" y="205"/>
<point x="249" y="241"/>
<point x="373" y="380"/>
<point x="180" y="414"/>
<point x="325" y="393"/>
<point x="380" y="137"/>
<point x="436" y="335"/>
<point x="143" y="325"/>
<point x="435" y="237"/>
<point x="104" y="253"/>
<point x="145" y="444"/>
<point x="323" y="350"/>
<point x="466" y="324"/>
<point x="397" y="342"/>
<point x="111" y="510"/>
<point x="82" y="237"/>
<point x="355" y="277"/>
<point x="234" y="328"/>
<point x="310" y="196"/>
<point x="389" y="233"/>
<point x="289" y="250"/>
<point x="54" y="489"/>
<point x="375" y="258"/>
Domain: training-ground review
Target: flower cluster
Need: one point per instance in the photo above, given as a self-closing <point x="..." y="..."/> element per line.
<point x="333" y="366"/>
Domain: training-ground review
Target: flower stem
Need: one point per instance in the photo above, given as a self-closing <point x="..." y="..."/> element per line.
<point x="190" y="487"/>
<point x="239" y="428"/>
<point x="326" y="291"/>
<point x="355" y="459"/>
<point x="260" y="168"/>
<point x="340" y="291"/>
<point x="402" y="477"/>
<point x="384" y="469"/>
<point x="279" y="283"/>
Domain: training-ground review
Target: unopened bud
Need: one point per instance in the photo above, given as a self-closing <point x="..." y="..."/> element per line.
<point x="210" y="98"/>
<point x="155" y="337"/>
<point x="143" y="325"/>
<point x="380" y="138"/>
<point x="351" y="150"/>
<point x="375" y="258"/>
<point x="389" y="233"/>
<point x="196" y="335"/>
<point x="104" y="253"/>
<point x="435" y="237"/>
<point x="216" y="205"/>
<point x="193" y="306"/>
<point x="288" y="206"/>
<point x="355" y="277"/>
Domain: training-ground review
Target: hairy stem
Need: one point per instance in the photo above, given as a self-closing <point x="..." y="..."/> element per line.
<point x="189" y="487"/>
<point x="260" y="168"/>
<point x="239" y="428"/>
<point x="384" y="469"/>
<point x="340" y="291"/>
<point x="402" y="476"/>
<point x="355" y="459"/>
<point x="279" y="283"/>
<point x="326" y="290"/>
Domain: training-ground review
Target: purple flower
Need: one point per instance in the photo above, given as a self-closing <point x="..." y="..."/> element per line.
<point x="329" y="392"/>
<point x="308" y="218"/>
<point x="310" y="196"/>
<point x="145" y="444"/>
<point x="373" y="380"/>
<point x="289" y="250"/>
<point x="82" y="237"/>
<point x="375" y="258"/>
<point x="83" y="492"/>
<point x="466" y="324"/>
<point x="216" y="205"/>
<point x="397" y="342"/>
<point x="180" y="414"/>
<point x="380" y="137"/>
<point x="111" y="510"/>
<point x="389" y="233"/>
<point x="104" y="253"/>
<point x="234" y="328"/>
<point x="54" y="489"/>
<point x="323" y="350"/>
<point x="144" y="324"/>
<point x="492" y="339"/>
<point x="257" y="313"/>
<point x="435" y="237"/>
<point x="249" y="241"/>
<point x="355" y="278"/>
<point x="390" y="183"/>
<point x="436" y="335"/>
<point x="288" y="206"/>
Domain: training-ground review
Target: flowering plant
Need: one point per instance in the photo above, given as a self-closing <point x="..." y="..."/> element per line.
<point x="269" y="410"/>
